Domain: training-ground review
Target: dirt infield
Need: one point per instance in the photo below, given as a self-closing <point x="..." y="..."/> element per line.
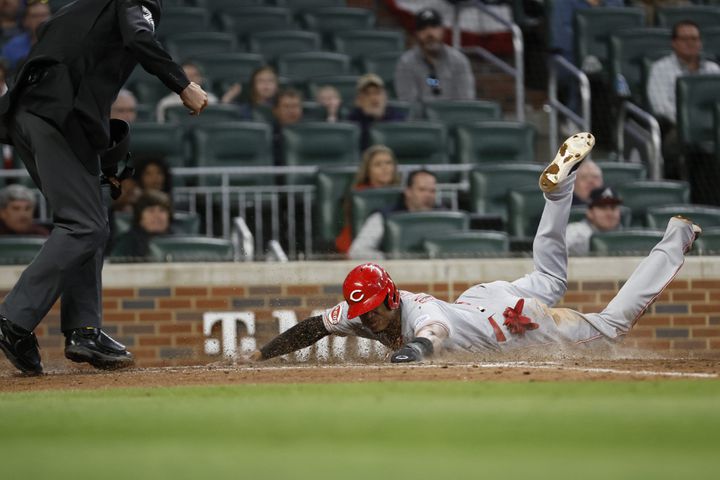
<point x="626" y="369"/>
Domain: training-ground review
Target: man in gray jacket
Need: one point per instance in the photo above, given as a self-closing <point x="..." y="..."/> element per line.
<point x="433" y="70"/>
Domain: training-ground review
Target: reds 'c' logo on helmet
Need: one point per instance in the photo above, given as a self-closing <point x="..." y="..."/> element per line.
<point x="366" y="287"/>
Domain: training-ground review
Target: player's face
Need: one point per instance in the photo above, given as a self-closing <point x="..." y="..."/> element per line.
<point x="379" y="319"/>
<point x="604" y="217"/>
<point x="381" y="172"/>
<point x="687" y="43"/>
<point x="17" y="216"/>
<point x="420" y="196"/>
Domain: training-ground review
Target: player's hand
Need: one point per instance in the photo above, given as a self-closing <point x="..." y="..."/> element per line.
<point x="194" y="98"/>
<point x="413" y="351"/>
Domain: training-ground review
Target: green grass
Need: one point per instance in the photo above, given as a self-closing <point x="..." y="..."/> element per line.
<point x="594" y="430"/>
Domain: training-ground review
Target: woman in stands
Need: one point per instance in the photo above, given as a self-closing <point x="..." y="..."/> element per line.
<point x="377" y="169"/>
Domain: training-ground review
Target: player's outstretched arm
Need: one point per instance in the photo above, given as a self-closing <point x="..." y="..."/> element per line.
<point x="298" y="337"/>
<point x="429" y="340"/>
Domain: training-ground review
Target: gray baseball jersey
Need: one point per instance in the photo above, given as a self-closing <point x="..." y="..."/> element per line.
<point x="476" y="321"/>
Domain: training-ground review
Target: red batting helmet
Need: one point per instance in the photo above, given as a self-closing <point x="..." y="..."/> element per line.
<point x="366" y="287"/>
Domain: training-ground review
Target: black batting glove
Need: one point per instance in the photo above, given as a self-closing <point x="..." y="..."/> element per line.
<point x="413" y="351"/>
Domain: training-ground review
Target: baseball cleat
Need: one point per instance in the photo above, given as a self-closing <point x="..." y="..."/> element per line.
<point x="571" y="153"/>
<point x="20" y="347"/>
<point x="697" y="229"/>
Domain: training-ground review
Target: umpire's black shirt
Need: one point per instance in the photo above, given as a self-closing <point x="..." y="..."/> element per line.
<point x="84" y="55"/>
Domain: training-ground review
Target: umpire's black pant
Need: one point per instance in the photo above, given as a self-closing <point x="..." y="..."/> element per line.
<point x="70" y="262"/>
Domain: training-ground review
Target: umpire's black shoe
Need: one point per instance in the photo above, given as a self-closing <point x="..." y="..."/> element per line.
<point x="95" y="347"/>
<point x="20" y="347"/>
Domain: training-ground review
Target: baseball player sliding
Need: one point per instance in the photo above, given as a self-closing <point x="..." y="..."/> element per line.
<point x="497" y="316"/>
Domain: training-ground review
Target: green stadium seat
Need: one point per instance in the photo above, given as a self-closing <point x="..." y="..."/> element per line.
<point x="244" y="21"/>
<point x="313" y="112"/>
<point x="490" y="184"/>
<point x="219" y="112"/>
<point x="160" y="140"/>
<point x="617" y="173"/>
<point x="370" y="200"/>
<point x="640" y="196"/>
<point x="176" y="20"/>
<point x="418" y="143"/>
<point x="190" y="249"/>
<point x="456" y="112"/>
<point x="625" y="242"/>
<point x="709" y="242"/>
<point x="305" y="65"/>
<point x="593" y="27"/>
<point x="234" y="144"/>
<point x="704" y="215"/>
<point x="711" y="42"/>
<point x="275" y="43"/>
<point x="628" y="47"/>
<point x="19" y="250"/>
<point x="223" y="5"/>
<point x="228" y="68"/>
<point x="704" y="16"/>
<point x="302" y="5"/>
<point x="525" y="207"/>
<point x="185" y="46"/>
<point x="468" y="245"/>
<point x="329" y="20"/>
<point x="696" y="99"/>
<point x="503" y="141"/>
<point x="345" y="84"/>
<point x="405" y="232"/>
<point x="405" y="107"/>
<point x="184" y="223"/>
<point x="145" y="112"/>
<point x="357" y="43"/>
<point x="382" y="64"/>
<point x="319" y="144"/>
<point x="332" y="187"/>
<point x="147" y="88"/>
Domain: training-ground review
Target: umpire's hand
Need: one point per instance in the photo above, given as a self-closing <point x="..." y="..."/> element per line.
<point x="194" y="98"/>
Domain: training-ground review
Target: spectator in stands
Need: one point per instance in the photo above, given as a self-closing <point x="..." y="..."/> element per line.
<point x="329" y="97"/>
<point x="589" y="177"/>
<point x="9" y="25"/>
<point x="371" y="105"/>
<point x="152" y="214"/>
<point x="378" y="168"/>
<point x="420" y="195"/>
<point x="264" y="86"/>
<point x="192" y="71"/>
<point x="153" y="173"/>
<point x="433" y="70"/>
<point x="602" y="215"/>
<point x="17" y="49"/>
<point x="17" y="204"/>
<point x="685" y="60"/>
<point x="8" y="160"/>
<point x="125" y="106"/>
<point x="286" y="111"/>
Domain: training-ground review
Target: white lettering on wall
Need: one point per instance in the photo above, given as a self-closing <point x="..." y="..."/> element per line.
<point x="328" y="348"/>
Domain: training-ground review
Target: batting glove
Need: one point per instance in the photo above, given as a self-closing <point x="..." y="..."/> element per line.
<point x="414" y="351"/>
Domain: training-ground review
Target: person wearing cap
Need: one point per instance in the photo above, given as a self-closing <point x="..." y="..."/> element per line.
<point x="371" y="105"/>
<point x="602" y="215"/>
<point x="433" y="70"/>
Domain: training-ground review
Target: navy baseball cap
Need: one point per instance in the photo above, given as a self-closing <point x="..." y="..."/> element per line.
<point x="604" y="196"/>
<point x="427" y="17"/>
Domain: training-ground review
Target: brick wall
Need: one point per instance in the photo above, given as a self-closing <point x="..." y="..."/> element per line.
<point x="164" y="325"/>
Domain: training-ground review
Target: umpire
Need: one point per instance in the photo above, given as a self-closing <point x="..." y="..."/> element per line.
<point x="57" y="117"/>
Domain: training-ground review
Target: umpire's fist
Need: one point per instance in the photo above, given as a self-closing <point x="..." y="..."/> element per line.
<point x="194" y="98"/>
